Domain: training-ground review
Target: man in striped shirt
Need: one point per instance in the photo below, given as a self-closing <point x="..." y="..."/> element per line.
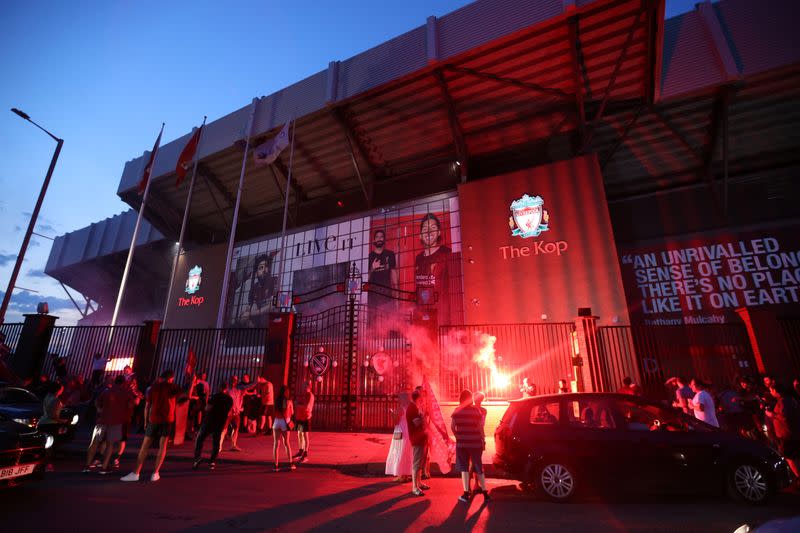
<point x="467" y="425"/>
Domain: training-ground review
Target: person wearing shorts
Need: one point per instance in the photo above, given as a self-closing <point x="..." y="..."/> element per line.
<point x="305" y="404"/>
<point x="113" y="406"/>
<point x="159" y="414"/>
<point x="467" y="425"/>
<point x="284" y="411"/>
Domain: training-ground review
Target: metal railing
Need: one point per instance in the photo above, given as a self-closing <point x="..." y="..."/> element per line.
<point x="13" y="332"/>
<point x="619" y="355"/>
<point x="219" y="352"/>
<point x="791" y="334"/>
<point x="77" y="345"/>
<point x="541" y="352"/>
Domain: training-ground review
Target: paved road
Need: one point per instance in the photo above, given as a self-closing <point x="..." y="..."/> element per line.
<point x="239" y="497"/>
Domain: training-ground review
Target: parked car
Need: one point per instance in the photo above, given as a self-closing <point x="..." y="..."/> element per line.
<point x="22" y="452"/>
<point x="24" y="407"/>
<point x="563" y="443"/>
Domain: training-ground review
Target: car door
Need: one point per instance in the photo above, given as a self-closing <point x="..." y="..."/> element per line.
<point x="654" y="458"/>
<point x="594" y="444"/>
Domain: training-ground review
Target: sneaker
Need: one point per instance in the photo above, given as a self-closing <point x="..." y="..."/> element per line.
<point x="105" y="472"/>
<point x="212" y="465"/>
<point x="298" y="454"/>
<point x="133" y="476"/>
<point x="292" y="466"/>
<point x="235" y="449"/>
<point x="155" y="476"/>
<point x="86" y="470"/>
<point x="464" y="497"/>
<point x="303" y="458"/>
<point x="417" y="492"/>
<point x="196" y="464"/>
<point x="116" y="462"/>
<point x="97" y="463"/>
<point x="423" y="486"/>
<point x="276" y="468"/>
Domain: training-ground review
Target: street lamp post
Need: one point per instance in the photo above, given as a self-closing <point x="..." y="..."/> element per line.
<point x="34" y="216"/>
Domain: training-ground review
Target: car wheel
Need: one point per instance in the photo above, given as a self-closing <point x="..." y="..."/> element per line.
<point x="750" y="483"/>
<point x="557" y="481"/>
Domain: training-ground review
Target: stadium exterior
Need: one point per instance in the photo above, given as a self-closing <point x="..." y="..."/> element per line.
<point x="667" y="150"/>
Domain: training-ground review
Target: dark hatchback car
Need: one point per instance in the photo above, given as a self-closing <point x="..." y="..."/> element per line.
<point x="22" y="406"/>
<point x="565" y="443"/>
<point x="22" y="452"/>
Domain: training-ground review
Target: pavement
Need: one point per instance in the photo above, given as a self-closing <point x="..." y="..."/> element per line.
<point x="349" y="453"/>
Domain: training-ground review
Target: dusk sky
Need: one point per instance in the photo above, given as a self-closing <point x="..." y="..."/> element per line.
<point x="104" y="75"/>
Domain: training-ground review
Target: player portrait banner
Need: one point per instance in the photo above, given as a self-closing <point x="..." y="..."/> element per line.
<point x="538" y="245"/>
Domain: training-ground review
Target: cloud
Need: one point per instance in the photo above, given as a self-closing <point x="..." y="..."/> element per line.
<point x="37" y="273"/>
<point x="46" y="228"/>
<point x="33" y="243"/>
<point x="17" y="228"/>
<point x="7" y="259"/>
<point x="25" y="302"/>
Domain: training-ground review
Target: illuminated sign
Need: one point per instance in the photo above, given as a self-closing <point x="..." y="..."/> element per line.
<point x="194" y="279"/>
<point x="117" y="364"/>
<point x="528" y="217"/>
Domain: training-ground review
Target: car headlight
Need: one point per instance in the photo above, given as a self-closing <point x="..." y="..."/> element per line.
<point x="25" y="421"/>
<point x="74" y="419"/>
<point x="48" y="441"/>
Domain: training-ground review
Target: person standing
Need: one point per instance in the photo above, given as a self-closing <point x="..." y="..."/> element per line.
<point x="417" y="433"/>
<point x="51" y="418"/>
<point x="305" y="405"/>
<point x="629" y="387"/>
<point x="216" y="417"/>
<point x="267" y="408"/>
<point x="527" y="389"/>
<point x="467" y="425"/>
<point x="284" y="410"/>
<point x="785" y="418"/>
<point x="478" y="399"/>
<point x="159" y="413"/>
<point x="683" y="394"/>
<point x="113" y="410"/>
<point x="399" y="459"/>
<point x="703" y="404"/>
<point x="234" y="416"/>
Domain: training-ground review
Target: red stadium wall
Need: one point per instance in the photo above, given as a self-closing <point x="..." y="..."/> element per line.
<point x="569" y="260"/>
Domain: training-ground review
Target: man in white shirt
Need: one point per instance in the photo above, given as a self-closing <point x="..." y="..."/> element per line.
<point x="703" y="404"/>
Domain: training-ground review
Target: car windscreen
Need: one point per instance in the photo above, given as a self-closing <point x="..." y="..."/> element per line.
<point x="12" y="396"/>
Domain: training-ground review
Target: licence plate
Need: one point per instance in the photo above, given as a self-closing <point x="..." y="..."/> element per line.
<point x="16" y="471"/>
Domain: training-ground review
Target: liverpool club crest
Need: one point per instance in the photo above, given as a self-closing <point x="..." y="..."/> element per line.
<point x="320" y="363"/>
<point x="194" y="279"/>
<point x="528" y="217"/>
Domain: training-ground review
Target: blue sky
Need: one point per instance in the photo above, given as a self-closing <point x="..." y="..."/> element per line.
<point x="103" y="75"/>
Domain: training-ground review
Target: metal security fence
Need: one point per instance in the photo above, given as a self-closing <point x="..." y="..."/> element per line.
<point x="791" y="334"/>
<point x="219" y="352"/>
<point x="542" y="352"/>
<point x="76" y="346"/>
<point x="717" y="353"/>
<point x="619" y="355"/>
<point x="13" y="332"/>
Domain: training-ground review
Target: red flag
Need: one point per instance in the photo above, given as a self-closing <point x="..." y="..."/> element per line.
<point x="191" y="361"/>
<point x="149" y="167"/>
<point x="186" y="157"/>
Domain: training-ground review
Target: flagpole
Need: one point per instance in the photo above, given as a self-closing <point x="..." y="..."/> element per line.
<point x="229" y="257"/>
<point x="183" y="224"/>
<point x="135" y="235"/>
<point x="286" y="206"/>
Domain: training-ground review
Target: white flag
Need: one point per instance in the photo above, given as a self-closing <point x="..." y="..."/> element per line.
<point x="268" y="152"/>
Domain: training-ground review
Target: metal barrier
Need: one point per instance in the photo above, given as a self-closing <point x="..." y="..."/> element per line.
<point x="13" y="332"/>
<point x="219" y="352"/>
<point x="791" y="334"/>
<point x="76" y="346"/>
<point x="716" y="353"/>
<point x="542" y="352"/>
<point x="618" y="353"/>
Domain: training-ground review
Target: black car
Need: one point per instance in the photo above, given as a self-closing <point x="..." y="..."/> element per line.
<point x="563" y="443"/>
<point x="22" y="452"/>
<point x="24" y="407"/>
